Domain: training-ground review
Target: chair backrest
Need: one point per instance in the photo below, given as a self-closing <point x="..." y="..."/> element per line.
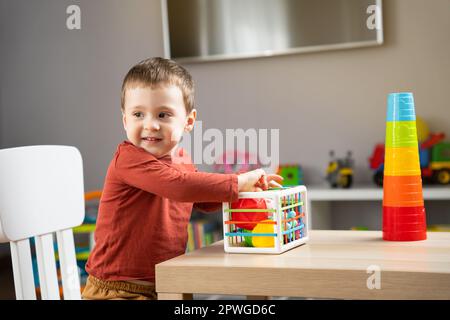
<point x="41" y="193"/>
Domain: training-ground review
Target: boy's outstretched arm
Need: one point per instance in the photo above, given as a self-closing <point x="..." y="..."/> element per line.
<point x="137" y="168"/>
<point x="273" y="180"/>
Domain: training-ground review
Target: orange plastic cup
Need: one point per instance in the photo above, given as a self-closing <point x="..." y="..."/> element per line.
<point x="402" y="191"/>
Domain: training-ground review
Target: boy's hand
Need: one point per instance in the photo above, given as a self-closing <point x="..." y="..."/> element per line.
<point x="257" y="180"/>
<point x="274" y="180"/>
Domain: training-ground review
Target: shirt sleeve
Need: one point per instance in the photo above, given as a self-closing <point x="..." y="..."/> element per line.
<point x="141" y="170"/>
<point x="208" y="206"/>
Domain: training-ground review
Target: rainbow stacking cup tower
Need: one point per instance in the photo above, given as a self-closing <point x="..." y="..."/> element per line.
<point x="403" y="207"/>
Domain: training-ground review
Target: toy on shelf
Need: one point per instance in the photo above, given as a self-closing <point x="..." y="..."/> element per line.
<point x="359" y="228"/>
<point x="439" y="228"/>
<point x="403" y="206"/>
<point x="292" y="174"/>
<point x="276" y="226"/>
<point x="340" y="171"/>
<point x="434" y="157"/>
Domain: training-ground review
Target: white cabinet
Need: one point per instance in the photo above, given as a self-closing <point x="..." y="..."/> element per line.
<point x="341" y="209"/>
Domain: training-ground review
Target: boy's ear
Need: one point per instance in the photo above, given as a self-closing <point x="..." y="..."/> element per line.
<point x="124" y="121"/>
<point x="190" y="121"/>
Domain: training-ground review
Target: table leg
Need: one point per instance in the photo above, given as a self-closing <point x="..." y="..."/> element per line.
<point x="174" y="296"/>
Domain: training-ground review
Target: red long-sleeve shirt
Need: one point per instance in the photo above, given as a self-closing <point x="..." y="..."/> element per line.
<point x="144" y="211"/>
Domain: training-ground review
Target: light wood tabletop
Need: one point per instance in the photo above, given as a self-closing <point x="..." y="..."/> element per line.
<point x="332" y="264"/>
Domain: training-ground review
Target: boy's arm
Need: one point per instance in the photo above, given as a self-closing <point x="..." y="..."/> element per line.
<point x="148" y="173"/>
<point x="208" y="206"/>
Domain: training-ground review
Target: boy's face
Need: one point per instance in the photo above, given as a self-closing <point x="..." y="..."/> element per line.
<point x="155" y="119"/>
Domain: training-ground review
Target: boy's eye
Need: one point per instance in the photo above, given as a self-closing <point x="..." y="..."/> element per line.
<point x="163" y="115"/>
<point x="138" y="114"/>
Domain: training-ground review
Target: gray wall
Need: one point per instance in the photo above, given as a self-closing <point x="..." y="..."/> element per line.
<point x="63" y="87"/>
<point x="336" y="99"/>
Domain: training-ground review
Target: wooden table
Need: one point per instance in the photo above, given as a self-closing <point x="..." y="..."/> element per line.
<point x="333" y="264"/>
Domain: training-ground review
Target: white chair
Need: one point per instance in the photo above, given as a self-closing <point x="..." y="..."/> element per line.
<point x="41" y="192"/>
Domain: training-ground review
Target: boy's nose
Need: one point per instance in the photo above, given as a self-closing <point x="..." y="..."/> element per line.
<point x="152" y="125"/>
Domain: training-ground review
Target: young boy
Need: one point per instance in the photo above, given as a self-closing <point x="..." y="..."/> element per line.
<point x="151" y="187"/>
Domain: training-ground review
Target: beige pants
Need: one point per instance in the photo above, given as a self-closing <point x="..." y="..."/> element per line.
<point x="97" y="289"/>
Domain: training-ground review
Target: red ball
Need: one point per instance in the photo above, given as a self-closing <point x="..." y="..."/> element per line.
<point x="249" y="216"/>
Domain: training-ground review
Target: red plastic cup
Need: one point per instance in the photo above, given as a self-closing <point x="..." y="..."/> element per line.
<point x="404" y="223"/>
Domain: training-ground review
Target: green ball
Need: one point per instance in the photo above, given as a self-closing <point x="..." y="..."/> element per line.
<point x="248" y="240"/>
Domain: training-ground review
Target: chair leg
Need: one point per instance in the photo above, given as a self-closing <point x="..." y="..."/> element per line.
<point x="45" y="255"/>
<point x="69" y="268"/>
<point x="22" y="270"/>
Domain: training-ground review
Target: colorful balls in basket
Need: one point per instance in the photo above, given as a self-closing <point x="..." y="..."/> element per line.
<point x="253" y="217"/>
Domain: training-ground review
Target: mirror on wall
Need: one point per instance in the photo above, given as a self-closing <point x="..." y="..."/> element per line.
<point x="203" y="30"/>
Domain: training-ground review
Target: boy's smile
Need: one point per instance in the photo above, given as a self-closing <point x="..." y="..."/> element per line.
<point x="155" y="118"/>
<point x="151" y="139"/>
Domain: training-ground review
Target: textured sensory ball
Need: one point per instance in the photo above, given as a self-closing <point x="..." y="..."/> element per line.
<point x="253" y="217"/>
<point x="263" y="242"/>
<point x="248" y="240"/>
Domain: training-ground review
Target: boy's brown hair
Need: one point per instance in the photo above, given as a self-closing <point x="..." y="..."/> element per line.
<point x="155" y="72"/>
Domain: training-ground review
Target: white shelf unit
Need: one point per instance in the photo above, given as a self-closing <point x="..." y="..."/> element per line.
<point x="322" y="200"/>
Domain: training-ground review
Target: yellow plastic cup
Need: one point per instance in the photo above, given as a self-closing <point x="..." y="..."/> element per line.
<point x="402" y="161"/>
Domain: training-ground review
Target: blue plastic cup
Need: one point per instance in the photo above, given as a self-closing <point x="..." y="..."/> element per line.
<point x="400" y="107"/>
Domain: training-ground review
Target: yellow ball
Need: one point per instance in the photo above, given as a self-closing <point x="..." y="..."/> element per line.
<point x="263" y="242"/>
